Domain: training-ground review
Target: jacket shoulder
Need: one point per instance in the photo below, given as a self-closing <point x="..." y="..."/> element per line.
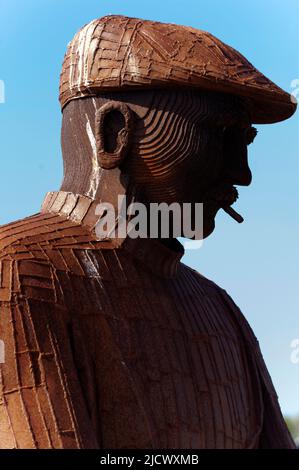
<point x="210" y="288"/>
<point x="36" y="250"/>
<point x="26" y="270"/>
<point x="203" y="282"/>
<point x="27" y="238"/>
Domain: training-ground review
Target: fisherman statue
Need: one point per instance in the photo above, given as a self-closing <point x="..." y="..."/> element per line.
<point x="111" y="341"/>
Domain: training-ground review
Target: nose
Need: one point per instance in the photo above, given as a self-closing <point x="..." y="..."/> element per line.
<point x="236" y="168"/>
<point x="239" y="173"/>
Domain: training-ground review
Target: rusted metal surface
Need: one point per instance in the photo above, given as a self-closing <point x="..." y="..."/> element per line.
<point x="116" y="52"/>
<point x="114" y="343"/>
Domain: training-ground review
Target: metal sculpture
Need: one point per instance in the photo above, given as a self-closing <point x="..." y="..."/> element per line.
<point x="113" y="342"/>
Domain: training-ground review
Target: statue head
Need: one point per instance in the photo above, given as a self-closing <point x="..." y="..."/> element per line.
<point x="165" y="111"/>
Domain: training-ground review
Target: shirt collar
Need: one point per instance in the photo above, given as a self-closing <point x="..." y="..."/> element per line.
<point x="161" y="257"/>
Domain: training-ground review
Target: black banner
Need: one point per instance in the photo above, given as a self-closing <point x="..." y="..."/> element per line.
<point x="147" y="459"/>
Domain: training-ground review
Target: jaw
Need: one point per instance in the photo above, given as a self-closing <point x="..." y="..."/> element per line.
<point x="209" y="213"/>
<point x="207" y="227"/>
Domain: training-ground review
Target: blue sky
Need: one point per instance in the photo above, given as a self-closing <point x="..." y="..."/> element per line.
<point x="256" y="262"/>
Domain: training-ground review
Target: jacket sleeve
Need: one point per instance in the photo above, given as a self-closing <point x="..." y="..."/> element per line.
<point x="41" y="399"/>
<point x="274" y="433"/>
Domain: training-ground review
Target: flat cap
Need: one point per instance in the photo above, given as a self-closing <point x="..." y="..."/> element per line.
<point x="117" y="53"/>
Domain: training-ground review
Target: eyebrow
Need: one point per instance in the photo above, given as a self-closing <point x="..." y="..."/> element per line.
<point x="251" y="135"/>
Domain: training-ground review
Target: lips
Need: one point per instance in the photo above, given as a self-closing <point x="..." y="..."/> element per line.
<point x="225" y="195"/>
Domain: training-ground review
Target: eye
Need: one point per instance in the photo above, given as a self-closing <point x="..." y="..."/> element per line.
<point x="250" y="135"/>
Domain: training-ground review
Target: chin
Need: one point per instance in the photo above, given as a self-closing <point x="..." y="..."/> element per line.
<point x="208" y="228"/>
<point x="209" y="215"/>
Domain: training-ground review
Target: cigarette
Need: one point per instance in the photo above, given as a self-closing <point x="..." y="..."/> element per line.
<point x="230" y="211"/>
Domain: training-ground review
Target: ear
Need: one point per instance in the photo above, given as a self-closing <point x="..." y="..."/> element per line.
<point x="114" y="122"/>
